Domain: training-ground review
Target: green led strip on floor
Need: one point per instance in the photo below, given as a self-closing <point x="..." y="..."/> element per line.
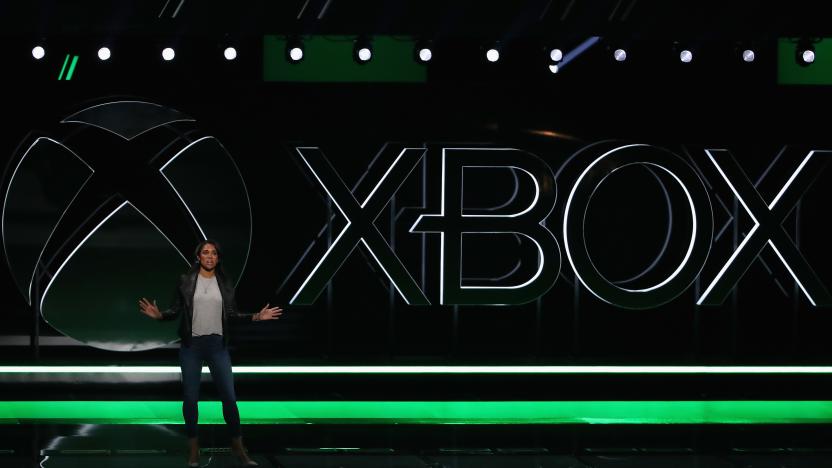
<point x="426" y="412"/>
<point x="429" y="370"/>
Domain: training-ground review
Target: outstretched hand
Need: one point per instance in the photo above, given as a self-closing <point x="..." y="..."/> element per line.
<point x="267" y="313"/>
<point x="150" y="309"/>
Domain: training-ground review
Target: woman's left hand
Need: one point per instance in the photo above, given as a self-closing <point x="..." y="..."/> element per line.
<point x="267" y="313"/>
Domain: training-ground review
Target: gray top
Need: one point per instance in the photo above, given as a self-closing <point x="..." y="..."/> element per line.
<point x="207" y="307"/>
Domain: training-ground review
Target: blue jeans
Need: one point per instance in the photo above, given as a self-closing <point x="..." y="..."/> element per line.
<point x="210" y="349"/>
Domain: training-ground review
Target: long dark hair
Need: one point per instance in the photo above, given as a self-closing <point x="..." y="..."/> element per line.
<point x="218" y="270"/>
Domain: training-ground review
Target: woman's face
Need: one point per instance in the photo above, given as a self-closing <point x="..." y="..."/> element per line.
<point x="208" y="257"/>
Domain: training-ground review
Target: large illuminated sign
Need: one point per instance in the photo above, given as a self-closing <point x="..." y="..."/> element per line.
<point x="768" y="228"/>
<point x="100" y="196"/>
<point x="452" y="223"/>
<point x="360" y="227"/>
<point x="118" y="184"/>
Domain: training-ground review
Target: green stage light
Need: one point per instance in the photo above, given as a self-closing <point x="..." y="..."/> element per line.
<point x="426" y="412"/>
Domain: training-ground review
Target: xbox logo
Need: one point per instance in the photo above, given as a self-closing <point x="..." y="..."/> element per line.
<point x="107" y="207"/>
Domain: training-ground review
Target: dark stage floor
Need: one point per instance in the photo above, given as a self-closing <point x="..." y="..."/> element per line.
<point x="425" y="446"/>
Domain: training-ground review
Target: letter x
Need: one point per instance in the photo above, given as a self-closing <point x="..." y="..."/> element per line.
<point x="360" y="226"/>
<point x="768" y="228"/>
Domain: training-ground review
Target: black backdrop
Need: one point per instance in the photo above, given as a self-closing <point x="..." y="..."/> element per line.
<point x="716" y="103"/>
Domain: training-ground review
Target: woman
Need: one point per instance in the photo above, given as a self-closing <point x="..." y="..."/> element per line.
<point x="206" y="296"/>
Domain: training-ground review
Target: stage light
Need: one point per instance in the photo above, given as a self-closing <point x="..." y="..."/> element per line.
<point x="748" y="56"/>
<point x="493" y="50"/>
<point x="805" y="51"/>
<point x="104" y="53"/>
<point x="423" y="51"/>
<point x="556" y="55"/>
<point x="684" y="51"/>
<point x="553" y="68"/>
<point x="168" y="54"/>
<point x="294" y="50"/>
<point x="229" y="53"/>
<point x="38" y="52"/>
<point x="362" y="50"/>
<point x="492" y="55"/>
<point x="620" y="55"/>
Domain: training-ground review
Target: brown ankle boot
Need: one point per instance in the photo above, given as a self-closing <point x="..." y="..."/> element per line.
<point x="240" y="451"/>
<point x="193" y="452"/>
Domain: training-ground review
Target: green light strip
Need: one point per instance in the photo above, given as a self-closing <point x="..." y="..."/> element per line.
<point x="429" y="370"/>
<point x="427" y="412"/>
<point x="71" y="68"/>
<point x="61" y="75"/>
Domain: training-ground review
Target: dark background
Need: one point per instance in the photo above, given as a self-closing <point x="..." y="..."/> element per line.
<point x="715" y="102"/>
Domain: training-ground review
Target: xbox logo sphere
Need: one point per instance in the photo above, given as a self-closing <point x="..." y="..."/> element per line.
<point x="107" y="208"/>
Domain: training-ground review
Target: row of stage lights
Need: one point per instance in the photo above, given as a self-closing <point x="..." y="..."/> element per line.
<point x="293" y="53"/>
<point x="363" y="53"/>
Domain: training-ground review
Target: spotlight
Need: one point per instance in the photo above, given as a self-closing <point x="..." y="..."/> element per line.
<point x="229" y="53"/>
<point x="554" y="68"/>
<point x="620" y="55"/>
<point x="805" y="51"/>
<point x="423" y="51"/>
<point x="168" y="54"/>
<point x="104" y="54"/>
<point x="38" y="52"/>
<point x="556" y="55"/>
<point x="746" y="50"/>
<point x="294" y="50"/>
<point x="492" y="55"/>
<point x="684" y="51"/>
<point x="362" y="50"/>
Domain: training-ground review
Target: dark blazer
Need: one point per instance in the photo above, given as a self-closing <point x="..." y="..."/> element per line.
<point x="183" y="306"/>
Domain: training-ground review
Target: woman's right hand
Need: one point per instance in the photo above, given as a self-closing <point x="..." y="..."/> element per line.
<point x="150" y="309"/>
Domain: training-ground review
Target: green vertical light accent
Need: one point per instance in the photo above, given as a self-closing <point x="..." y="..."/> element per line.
<point x="427" y="412"/>
<point x="61" y="75"/>
<point x="71" y="68"/>
<point x="817" y="73"/>
<point x="330" y="59"/>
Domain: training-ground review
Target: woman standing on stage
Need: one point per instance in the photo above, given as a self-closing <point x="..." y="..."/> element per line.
<point x="206" y="296"/>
